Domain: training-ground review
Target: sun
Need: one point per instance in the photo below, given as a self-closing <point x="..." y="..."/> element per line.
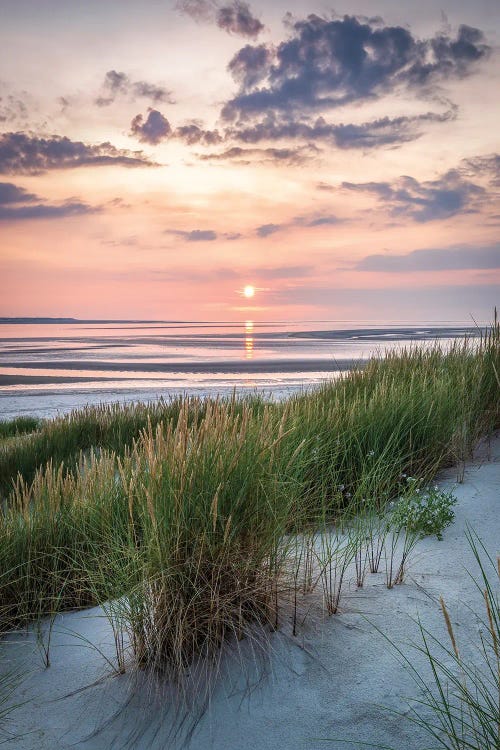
<point x="249" y="291"/>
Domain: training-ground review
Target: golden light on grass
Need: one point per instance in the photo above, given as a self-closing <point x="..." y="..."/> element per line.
<point x="249" y="291"/>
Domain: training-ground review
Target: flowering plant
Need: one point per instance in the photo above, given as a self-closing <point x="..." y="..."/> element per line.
<point x="424" y="512"/>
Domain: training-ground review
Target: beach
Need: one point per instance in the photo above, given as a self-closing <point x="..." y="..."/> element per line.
<point x="214" y="572"/>
<point x="49" y="367"/>
<point x="339" y="680"/>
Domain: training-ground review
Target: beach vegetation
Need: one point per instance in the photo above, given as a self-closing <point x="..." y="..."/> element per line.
<point x="193" y="520"/>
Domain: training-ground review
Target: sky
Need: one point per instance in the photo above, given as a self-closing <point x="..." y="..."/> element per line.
<point x="156" y="157"/>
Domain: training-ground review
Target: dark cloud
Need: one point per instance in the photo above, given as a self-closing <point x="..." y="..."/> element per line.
<point x="10" y="193"/>
<point x="21" y="153"/>
<point x="319" y="221"/>
<point x="201" y="235"/>
<point x="288" y="156"/>
<point x="265" y="230"/>
<point x="153" y="129"/>
<point x="45" y="211"/>
<point x="237" y="18"/>
<point x="17" y="204"/>
<point x="234" y="17"/>
<point x="447" y="196"/>
<point x="484" y="166"/>
<point x="153" y="92"/>
<point x="119" y="84"/>
<point x="250" y="65"/>
<point x="434" y="259"/>
<point x="385" y="131"/>
<point x="116" y="83"/>
<point x="310" y="222"/>
<point x="195" y="235"/>
<point x="156" y="128"/>
<point x="193" y="133"/>
<point x="327" y="63"/>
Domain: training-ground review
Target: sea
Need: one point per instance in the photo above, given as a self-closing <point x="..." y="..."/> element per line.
<point x="49" y="367"/>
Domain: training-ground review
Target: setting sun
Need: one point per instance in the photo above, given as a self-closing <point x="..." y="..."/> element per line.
<point x="249" y="291"/>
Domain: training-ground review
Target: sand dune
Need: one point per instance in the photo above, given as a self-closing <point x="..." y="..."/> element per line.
<point x="331" y="682"/>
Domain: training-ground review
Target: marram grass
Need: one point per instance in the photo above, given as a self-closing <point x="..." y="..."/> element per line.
<point x="185" y="515"/>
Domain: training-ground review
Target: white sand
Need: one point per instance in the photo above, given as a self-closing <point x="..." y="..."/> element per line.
<point x="330" y="683"/>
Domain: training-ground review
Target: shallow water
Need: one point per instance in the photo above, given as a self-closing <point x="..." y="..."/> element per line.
<point x="48" y="367"/>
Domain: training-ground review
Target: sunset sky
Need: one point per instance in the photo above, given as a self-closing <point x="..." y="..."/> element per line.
<point x="156" y="157"/>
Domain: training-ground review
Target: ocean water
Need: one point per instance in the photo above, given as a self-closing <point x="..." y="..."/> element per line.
<point x="51" y="367"/>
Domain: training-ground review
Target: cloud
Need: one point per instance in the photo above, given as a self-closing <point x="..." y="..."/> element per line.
<point x="446" y="196"/>
<point x="288" y="156"/>
<point x="319" y="221"/>
<point x="193" y="133"/>
<point x="461" y="257"/>
<point x="21" y="153"/>
<point x="250" y="65"/>
<point x="46" y="211"/>
<point x="17" y="204"/>
<point x="12" y="108"/>
<point x="237" y="18"/>
<point x="196" y="235"/>
<point x="234" y="17"/>
<point x="119" y="84"/>
<point x="10" y="193"/>
<point x="265" y="230"/>
<point x="154" y="129"/>
<point x="487" y="166"/>
<point x="384" y="131"/>
<point x="198" y="10"/>
<point x="328" y="63"/>
<point x="310" y="222"/>
<point x="200" y="235"/>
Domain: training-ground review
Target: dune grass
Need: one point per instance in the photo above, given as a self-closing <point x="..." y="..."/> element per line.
<point x="18" y="426"/>
<point x="106" y="426"/>
<point x="185" y="515"/>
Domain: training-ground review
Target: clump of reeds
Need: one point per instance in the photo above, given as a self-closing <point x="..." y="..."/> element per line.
<point x="211" y="507"/>
<point x="18" y="426"/>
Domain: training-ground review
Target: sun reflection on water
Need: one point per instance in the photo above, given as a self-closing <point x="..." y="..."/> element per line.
<point x="249" y="339"/>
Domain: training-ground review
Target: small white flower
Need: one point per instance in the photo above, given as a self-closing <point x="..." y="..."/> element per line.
<point x="341" y="487"/>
